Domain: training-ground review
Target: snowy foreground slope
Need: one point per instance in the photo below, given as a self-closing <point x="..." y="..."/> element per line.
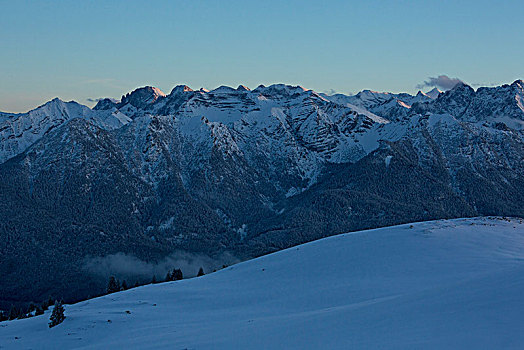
<point x="441" y="284"/>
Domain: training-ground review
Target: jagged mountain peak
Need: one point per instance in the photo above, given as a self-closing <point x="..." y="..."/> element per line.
<point x="461" y="86"/>
<point x="280" y="89"/>
<point x="142" y="96"/>
<point x="501" y="104"/>
<point x="223" y="89"/>
<point x="490" y="105"/>
<point x="105" y="104"/>
<point x="422" y="96"/>
<point x="371" y="92"/>
<point x="369" y="98"/>
<point x="54" y="102"/>
<point x="18" y="132"/>
<point x="243" y="88"/>
<point x="56" y="105"/>
<point x="453" y="102"/>
<point x="461" y="91"/>
<point x="180" y="89"/>
<point x="433" y="93"/>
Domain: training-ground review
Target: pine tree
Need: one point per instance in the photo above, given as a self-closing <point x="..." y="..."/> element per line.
<point x="154" y="279"/>
<point x="39" y="311"/>
<point x="200" y="272"/>
<point x="124" y="285"/>
<point x="14" y="313"/>
<point x="177" y="275"/>
<point x="31" y="307"/>
<point x="113" y="285"/>
<point x="57" y="316"/>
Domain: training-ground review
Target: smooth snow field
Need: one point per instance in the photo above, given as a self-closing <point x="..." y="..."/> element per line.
<point x="450" y="284"/>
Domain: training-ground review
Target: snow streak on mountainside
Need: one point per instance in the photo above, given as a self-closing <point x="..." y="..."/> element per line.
<point x="243" y="171"/>
<point x="448" y="284"/>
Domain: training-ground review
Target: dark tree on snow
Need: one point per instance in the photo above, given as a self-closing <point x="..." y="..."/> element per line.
<point x="31" y="307"/>
<point x="14" y="313"/>
<point x="124" y="285"/>
<point x="200" y="272"/>
<point x="177" y="275"/>
<point x="113" y="285"/>
<point x="57" y="316"/>
<point x="39" y="311"/>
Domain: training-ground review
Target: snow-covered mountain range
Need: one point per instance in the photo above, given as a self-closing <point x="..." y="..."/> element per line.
<point x="242" y="171"/>
<point x="447" y="284"/>
<point x="290" y="116"/>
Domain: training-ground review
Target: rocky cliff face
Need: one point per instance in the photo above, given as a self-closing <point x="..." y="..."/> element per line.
<point x="244" y="171"/>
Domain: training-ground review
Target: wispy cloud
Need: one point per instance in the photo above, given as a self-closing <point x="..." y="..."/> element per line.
<point x="442" y="81"/>
<point x="94" y="100"/>
<point x="128" y="266"/>
<point x="330" y="92"/>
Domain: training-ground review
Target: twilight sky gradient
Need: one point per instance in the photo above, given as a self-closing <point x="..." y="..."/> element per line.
<point x="89" y="49"/>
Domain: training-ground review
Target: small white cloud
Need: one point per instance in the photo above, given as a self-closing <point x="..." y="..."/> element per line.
<point x="442" y="81"/>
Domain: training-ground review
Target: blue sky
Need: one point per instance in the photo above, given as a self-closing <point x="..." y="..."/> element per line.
<point x="89" y="49"/>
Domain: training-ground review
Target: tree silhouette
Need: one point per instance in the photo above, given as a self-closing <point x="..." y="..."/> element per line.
<point x="57" y="316"/>
<point x="113" y="285"/>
